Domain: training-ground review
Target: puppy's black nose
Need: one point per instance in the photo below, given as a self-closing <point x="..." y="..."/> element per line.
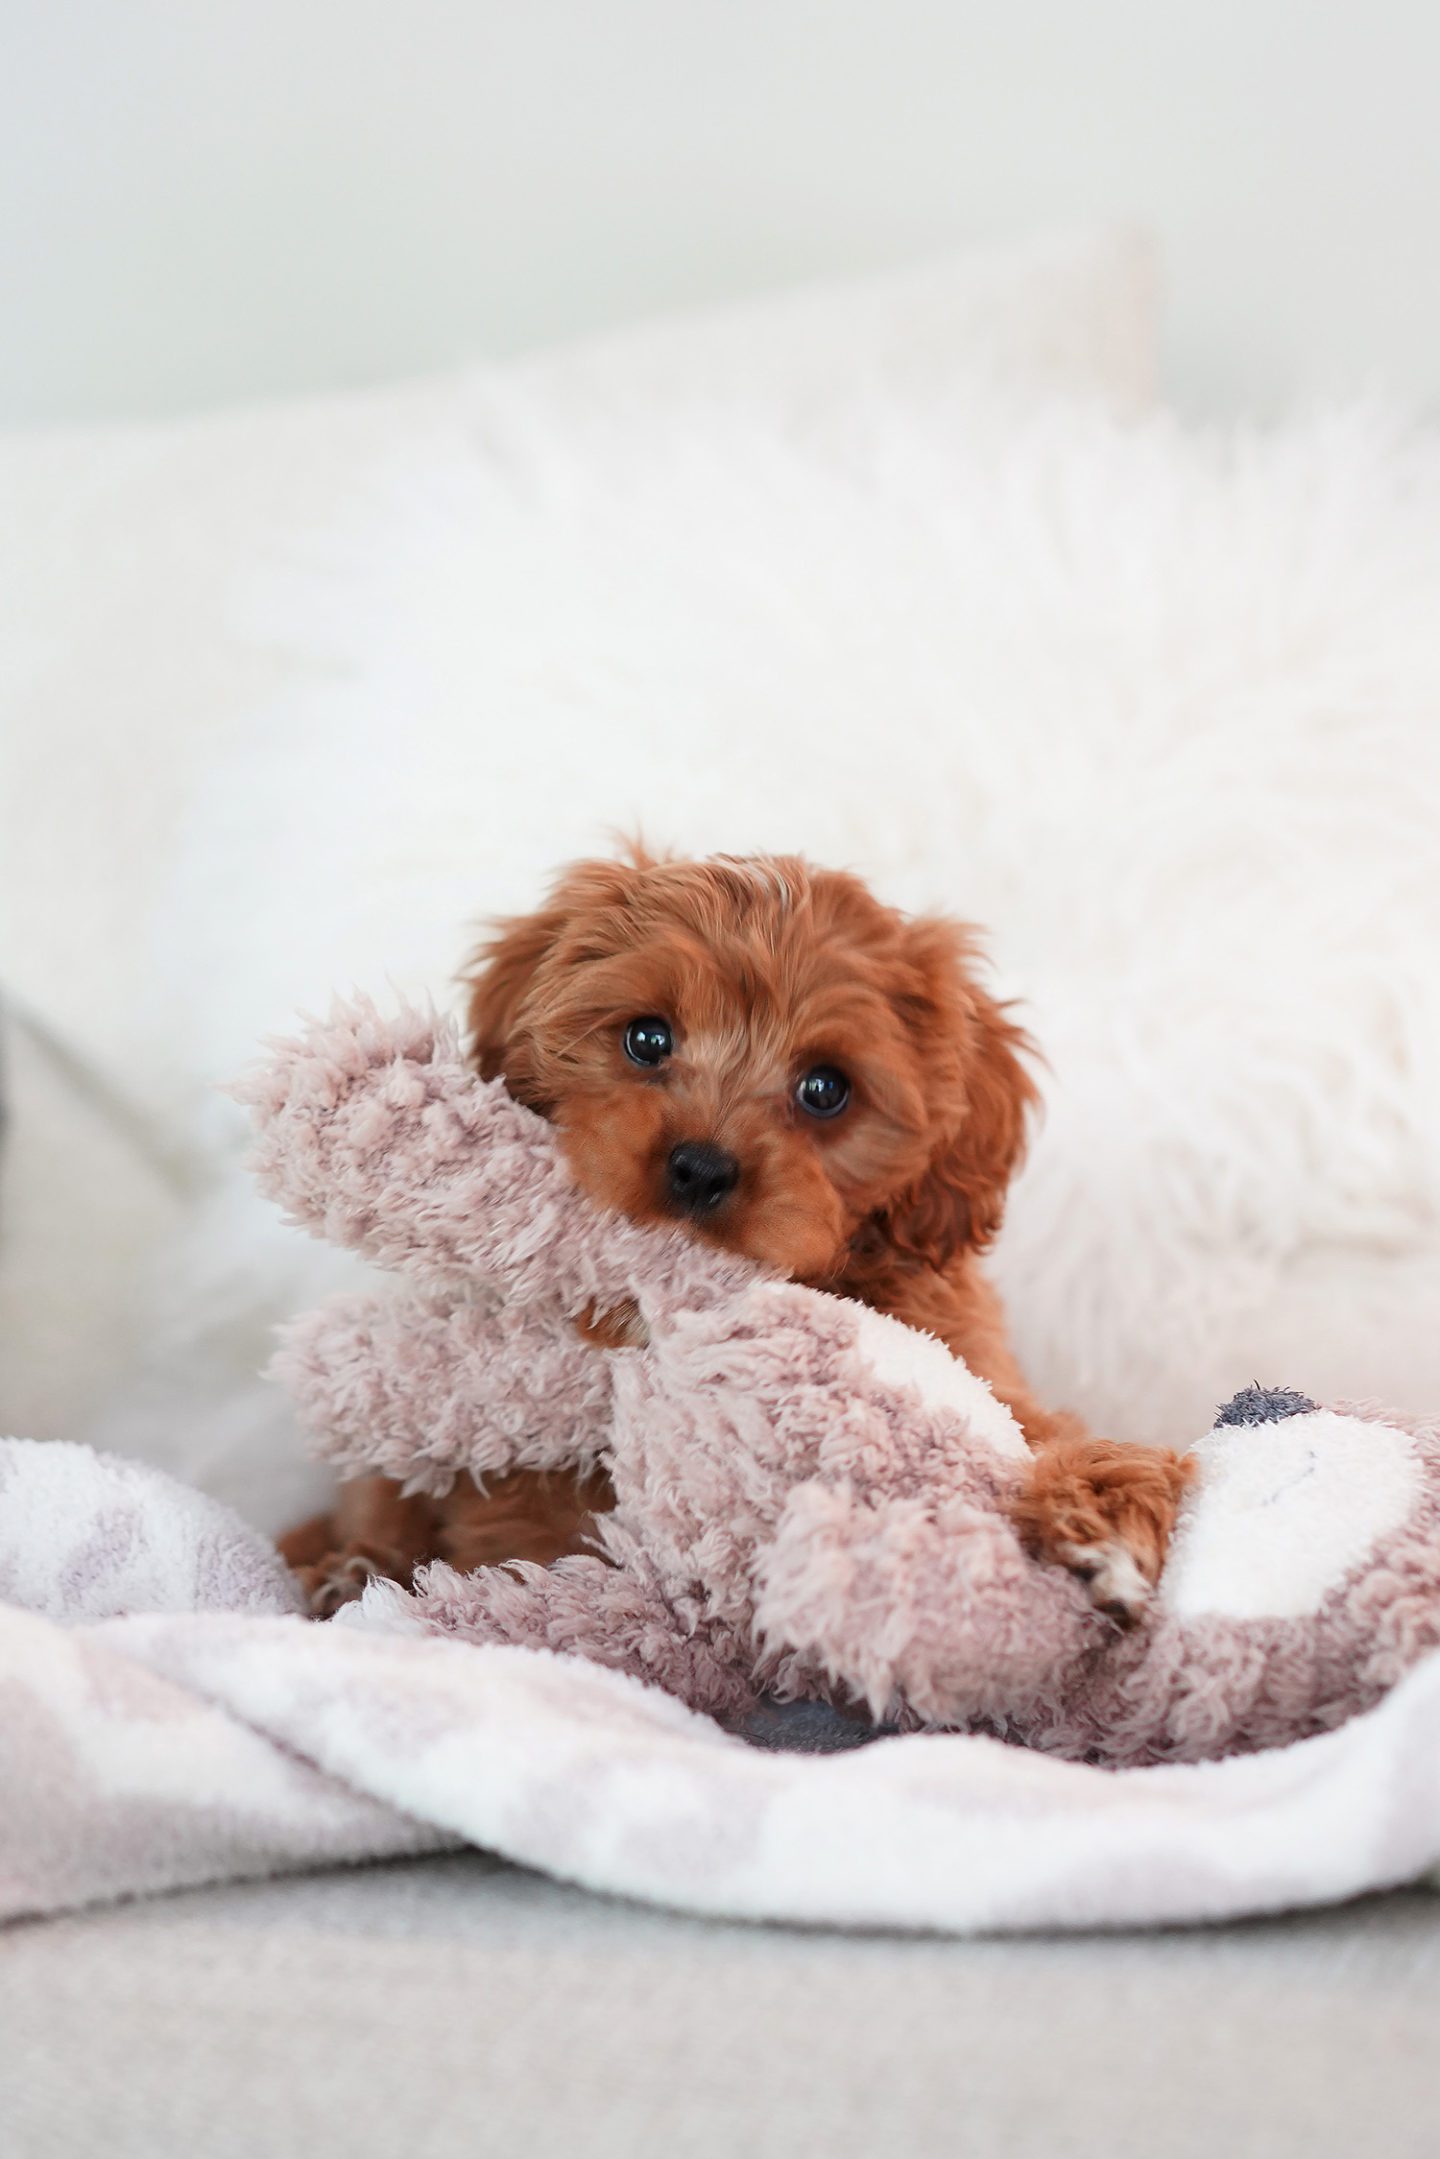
<point x="700" y="1175"/>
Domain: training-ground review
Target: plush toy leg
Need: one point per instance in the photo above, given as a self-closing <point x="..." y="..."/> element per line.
<point x="585" y="1607"/>
<point x="938" y="1608"/>
<point x="423" y="1388"/>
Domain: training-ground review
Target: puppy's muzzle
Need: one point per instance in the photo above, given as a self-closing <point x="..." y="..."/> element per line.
<point x="699" y="1176"/>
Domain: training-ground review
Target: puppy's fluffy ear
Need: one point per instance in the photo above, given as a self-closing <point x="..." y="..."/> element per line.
<point x="984" y="1095"/>
<point x="507" y="973"/>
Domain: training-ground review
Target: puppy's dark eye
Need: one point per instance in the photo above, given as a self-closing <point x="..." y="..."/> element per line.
<point x="648" y="1041"/>
<point x="823" y="1091"/>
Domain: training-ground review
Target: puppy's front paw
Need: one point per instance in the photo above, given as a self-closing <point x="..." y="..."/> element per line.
<point x="1105" y="1511"/>
<point x="340" y="1577"/>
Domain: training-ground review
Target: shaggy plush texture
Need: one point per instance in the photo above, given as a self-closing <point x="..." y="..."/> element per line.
<point x="148" y="1745"/>
<point x="811" y="1498"/>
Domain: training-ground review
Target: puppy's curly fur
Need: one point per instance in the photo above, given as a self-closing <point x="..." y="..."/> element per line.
<point x="767" y="992"/>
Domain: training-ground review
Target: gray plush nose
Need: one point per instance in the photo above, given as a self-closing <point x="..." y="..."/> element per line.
<point x="700" y="1175"/>
<point x="1264" y="1405"/>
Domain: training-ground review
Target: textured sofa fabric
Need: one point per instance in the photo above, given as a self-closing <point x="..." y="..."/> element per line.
<point x="453" y="2006"/>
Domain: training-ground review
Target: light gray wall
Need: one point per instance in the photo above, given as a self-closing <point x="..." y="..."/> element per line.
<point x="205" y="199"/>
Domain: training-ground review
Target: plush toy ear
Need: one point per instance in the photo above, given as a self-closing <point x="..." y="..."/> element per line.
<point x="975" y="1050"/>
<point x="508" y="973"/>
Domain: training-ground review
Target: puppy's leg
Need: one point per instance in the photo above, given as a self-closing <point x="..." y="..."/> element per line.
<point x="374" y="1528"/>
<point x="530" y="1514"/>
<point x="1104" y="1510"/>
<point x="533" y="1514"/>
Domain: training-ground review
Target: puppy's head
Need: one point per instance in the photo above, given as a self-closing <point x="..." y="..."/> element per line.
<point x="759" y="1051"/>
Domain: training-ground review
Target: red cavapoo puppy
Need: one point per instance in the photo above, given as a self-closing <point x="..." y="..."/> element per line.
<point x="762" y="1054"/>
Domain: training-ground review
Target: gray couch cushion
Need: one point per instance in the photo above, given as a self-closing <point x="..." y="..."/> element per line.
<point x="456" y="2006"/>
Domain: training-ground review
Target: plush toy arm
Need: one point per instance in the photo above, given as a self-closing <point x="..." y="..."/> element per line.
<point x="376" y="1134"/>
<point x="935" y="1607"/>
<point x="422" y="1388"/>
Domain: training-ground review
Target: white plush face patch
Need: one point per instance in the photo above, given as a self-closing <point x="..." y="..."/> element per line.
<point x="1280" y="1513"/>
<point x="900" y="1356"/>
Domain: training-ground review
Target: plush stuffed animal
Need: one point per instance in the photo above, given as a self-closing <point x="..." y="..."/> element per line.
<point x="811" y="1498"/>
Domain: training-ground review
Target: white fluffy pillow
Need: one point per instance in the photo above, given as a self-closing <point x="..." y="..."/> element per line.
<point x="196" y="829"/>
